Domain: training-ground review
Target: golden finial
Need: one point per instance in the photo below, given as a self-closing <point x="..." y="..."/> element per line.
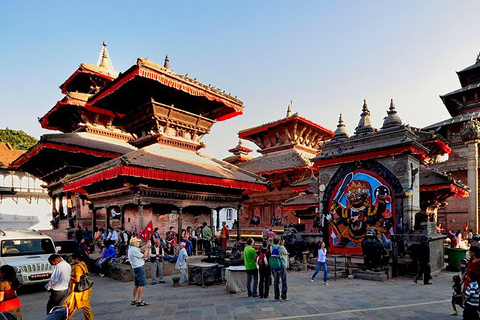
<point x="289" y="109"/>
<point x="105" y="61"/>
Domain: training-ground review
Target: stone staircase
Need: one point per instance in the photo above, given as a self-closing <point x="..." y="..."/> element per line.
<point x="341" y="267"/>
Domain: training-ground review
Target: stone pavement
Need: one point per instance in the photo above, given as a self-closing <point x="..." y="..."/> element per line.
<point x="399" y="298"/>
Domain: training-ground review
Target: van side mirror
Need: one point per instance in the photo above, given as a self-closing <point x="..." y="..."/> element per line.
<point x="58" y="248"/>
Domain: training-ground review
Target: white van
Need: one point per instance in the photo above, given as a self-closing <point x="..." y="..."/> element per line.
<point x="27" y="251"/>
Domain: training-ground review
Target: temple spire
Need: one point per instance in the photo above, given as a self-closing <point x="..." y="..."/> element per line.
<point x="392" y="119"/>
<point x="478" y="58"/>
<point x="104" y="60"/>
<point x="289" y="110"/>
<point x="166" y="64"/>
<point x="341" y="132"/>
<point x="364" y="125"/>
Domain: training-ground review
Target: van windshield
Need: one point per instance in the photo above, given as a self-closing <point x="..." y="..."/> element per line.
<point x="26" y="247"/>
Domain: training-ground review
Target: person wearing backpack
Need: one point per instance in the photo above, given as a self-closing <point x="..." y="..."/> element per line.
<point x="264" y="269"/>
<point x="249" y="257"/>
<point x="279" y="269"/>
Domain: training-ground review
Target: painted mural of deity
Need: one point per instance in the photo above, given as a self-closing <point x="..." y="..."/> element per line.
<point x="360" y="201"/>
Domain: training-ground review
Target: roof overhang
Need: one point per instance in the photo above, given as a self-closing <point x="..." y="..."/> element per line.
<point x="83" y="181"/>
<point x="338" y="159"/>
<point x="248" y="133"/>
<point x="86" y="69"/>
<point x="223" y="106"/>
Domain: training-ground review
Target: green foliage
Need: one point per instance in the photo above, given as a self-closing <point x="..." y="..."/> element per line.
<point x="17" y="138"/>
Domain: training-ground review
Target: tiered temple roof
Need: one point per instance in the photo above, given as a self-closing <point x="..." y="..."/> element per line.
<point x="285" y="144"/>
<point x="465" y="99"/>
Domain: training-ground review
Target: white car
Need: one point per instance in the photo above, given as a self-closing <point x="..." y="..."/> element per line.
<point x="27" y="252"/>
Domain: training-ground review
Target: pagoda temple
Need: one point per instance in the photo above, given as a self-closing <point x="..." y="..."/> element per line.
<point x="462" y="132"/>
<point x="286" y="147"/>
<point x="381" y="178"/>
<point x="129" y="149"/>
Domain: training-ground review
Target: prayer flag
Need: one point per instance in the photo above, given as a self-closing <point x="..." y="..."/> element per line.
<point x="408" y="193"/>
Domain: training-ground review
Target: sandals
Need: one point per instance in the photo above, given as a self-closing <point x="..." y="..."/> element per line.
<point x="134" y="303"/>
<point x="142" y="303"/>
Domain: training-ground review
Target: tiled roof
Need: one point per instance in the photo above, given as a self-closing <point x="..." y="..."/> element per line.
<point x="430" y="176"/>
<point x="8" y="154"/>
<point x="382" y="140"/>
<point x="244" y="134"/>
<point x="302" y="199"/>
<point x="281" y="160"/>
<point x="90" y="141"/>
<point x="457" y="119"/>
<point x="167" y="158"/>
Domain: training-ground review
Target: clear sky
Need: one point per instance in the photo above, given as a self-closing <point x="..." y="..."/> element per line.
<point x="326" y="56"/>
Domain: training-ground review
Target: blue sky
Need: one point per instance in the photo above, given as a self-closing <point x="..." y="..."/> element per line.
<point x="326" y="56"/>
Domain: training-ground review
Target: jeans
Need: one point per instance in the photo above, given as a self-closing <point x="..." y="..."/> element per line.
<point x="277" y="275"/>
<point x="252" y="274"/>
<point x="170" y="258"/>
<point x="319" y="266"/>
<point x="189" y="247"/>
<point x="156" y="270"/>
<point x="102" y="264"/>
<point x="264" y="285"/>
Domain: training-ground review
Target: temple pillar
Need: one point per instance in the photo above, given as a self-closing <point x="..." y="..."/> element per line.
<point x="211" y="220"/>
<point x="54" y="207"/>
<point x="70" y="206"/>
<point x="140" y="214"/>
<point x="471" y="138"/>
<point x="472" y="178"/>
<point x="239" y="210"/>
<point x="180" y="224"/>
<point x="218" y="217"/>
<point x="411" y="204"/>
<point x="122" y="217"/>
<point x="60" y="206"/>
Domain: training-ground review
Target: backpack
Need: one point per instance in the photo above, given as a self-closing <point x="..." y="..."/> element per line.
<point x="275" y="261"/>
<point x="262" y="262"/>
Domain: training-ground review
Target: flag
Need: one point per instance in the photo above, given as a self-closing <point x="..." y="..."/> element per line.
<point x="147" y="232"/>
<point x="408" y="193"/>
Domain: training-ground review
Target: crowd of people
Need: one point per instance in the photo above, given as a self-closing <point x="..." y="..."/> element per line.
<point x="272" y="260"/>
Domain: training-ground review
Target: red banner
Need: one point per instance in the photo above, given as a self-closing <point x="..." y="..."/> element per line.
<point x="147" y="232"/>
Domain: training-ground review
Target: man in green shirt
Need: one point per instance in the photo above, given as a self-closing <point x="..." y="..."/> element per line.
<point x="206" y="237"/>
<point x="249" y="257"/>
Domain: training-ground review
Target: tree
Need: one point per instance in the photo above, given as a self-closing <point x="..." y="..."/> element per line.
<point x="17" y="138"/>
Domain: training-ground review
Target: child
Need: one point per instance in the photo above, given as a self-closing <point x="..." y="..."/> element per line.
<point x="264" y="268"/>
<point x="456" y="294"/>
<point x="470" y="300"/>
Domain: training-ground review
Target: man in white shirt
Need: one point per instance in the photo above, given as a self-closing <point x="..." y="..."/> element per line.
<point x="112" y="235"/>
<point x="58" y="283"/>
<point x="136" y="256"/>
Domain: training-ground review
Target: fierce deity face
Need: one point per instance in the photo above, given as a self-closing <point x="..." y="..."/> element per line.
<point x="358" y="194"/>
